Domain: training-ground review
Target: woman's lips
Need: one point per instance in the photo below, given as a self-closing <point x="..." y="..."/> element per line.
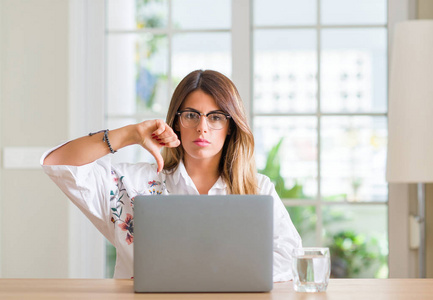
<point x="201" y="142"/>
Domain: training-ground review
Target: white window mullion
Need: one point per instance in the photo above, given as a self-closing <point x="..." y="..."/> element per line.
<point x="170" y="46"/>
<point x="319" y="225"/>
<point x="86" y="110"/>
<point x="241" y="51"/>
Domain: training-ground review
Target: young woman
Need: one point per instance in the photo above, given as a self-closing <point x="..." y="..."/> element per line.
<point x="207" y="148"/>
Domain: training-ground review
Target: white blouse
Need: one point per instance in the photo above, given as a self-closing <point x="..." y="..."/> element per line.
<point x="105" y="193"/>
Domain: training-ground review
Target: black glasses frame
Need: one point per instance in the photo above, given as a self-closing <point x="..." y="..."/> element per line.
<point x="179" y="113"/>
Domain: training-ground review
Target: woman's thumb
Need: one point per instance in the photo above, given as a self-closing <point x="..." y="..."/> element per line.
<point x="158" y="157"/>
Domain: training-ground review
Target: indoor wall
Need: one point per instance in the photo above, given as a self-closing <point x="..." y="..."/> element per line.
<point x="33" y="116"/>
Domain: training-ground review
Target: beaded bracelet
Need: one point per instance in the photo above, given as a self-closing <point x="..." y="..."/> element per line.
<point x="105" y="139"/>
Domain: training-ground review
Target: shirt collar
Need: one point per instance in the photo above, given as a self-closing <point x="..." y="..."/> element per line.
<point x="219" y="184"/>
<point x="181" y="171"/>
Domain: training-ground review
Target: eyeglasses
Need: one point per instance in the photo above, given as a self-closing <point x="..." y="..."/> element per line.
<point x="191" y="118"/>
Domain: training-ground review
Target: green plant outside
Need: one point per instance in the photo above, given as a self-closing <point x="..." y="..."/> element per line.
<point x="352" y="254"/>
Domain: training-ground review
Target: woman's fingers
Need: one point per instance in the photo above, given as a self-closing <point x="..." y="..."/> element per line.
<point x="170" y="141"/>
<point x="167" y="139"/>
<point x="165" y="136"/>
<point x="161" y="136"/>
<point x="161" y="127"/>
<point x="172" y="144"/>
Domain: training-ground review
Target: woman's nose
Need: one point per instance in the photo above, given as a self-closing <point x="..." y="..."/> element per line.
<point x="202" y="124"/>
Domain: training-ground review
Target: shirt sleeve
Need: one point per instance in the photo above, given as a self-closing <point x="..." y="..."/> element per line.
<point x="286" y="237"/>
<point x="88" y="187"/>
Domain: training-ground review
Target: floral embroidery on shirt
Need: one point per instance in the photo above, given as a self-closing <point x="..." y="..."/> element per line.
<point x="153" y="183"/>
<point x="161" y="186"/>
<point x="153" y="192"/>
<point x="118" y="198"/>
<point x="121" y="204"/>
<point x="128" y="225"/>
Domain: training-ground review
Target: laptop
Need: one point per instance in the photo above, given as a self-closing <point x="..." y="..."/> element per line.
<point x="202" y="243"/>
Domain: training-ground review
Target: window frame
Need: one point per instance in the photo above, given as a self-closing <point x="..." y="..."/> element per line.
<point x="87" y="94"/>
<point x="318" y="203"/>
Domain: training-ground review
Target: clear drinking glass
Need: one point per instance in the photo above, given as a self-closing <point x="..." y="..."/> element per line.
<point x="311" y="269"/>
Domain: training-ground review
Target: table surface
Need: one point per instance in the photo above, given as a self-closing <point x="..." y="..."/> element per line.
<point x="351" y="289"/>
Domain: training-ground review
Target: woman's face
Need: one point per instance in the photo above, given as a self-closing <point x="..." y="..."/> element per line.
<point x="201" y="142"/>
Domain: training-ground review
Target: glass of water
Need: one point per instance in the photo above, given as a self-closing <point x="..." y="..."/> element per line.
<point x="311" y="269"/>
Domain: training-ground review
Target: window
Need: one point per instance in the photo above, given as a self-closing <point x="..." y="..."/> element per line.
<point x="319" y="114"/>
<point x="151" y="46"/>
<point x="318" y="105"/>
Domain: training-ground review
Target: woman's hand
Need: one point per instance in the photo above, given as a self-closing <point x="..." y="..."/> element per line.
<point x="155" y="134"/>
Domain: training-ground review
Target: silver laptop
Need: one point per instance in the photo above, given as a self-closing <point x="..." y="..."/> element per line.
<point x="203" y="243"/>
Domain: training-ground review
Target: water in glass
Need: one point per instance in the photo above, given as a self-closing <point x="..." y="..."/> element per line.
<point x="311" y="270"/>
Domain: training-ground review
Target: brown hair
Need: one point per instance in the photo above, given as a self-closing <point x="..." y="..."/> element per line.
<point x="237" y="166"/>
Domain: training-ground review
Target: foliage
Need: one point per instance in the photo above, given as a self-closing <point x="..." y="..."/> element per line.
<point x="304" y="218"/>
<point x="272" y="170"/>
<point x="144" y="19"/>
<point x="351" y="253"/>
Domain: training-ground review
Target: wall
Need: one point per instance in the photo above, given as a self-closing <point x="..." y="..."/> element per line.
<point x="403" y="261"/>
<point x="33" y="113"/>
<point x="425" y="11"/>
<point x="429" y="230"/>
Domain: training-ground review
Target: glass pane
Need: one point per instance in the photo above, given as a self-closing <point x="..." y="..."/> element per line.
<point x="286" y="151"/>
<point x="130" y="154"/>
<point x="201" y="14"/>
<point x="305" y="219"/>
<point x="285" y="12"/>
<point x="353" y="158"/>
<point x="353" y="11"/>
<point x="137" y="67"/>
<point x="354" y="70"/>
<point x="285" y="69"/>
<point x="359" y="248"/>
<point x="192" y="51"/>
<point x="136" y="14"/>
<point x="110" y="259"/>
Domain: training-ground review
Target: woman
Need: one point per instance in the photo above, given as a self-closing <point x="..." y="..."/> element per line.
<point x="207" y="147"/>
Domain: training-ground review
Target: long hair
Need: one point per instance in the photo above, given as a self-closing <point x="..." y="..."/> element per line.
<point x="237" y="165"/>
